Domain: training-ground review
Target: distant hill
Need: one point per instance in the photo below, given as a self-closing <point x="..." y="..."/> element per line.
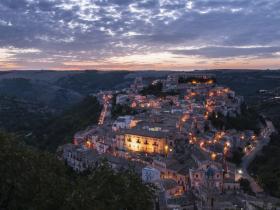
<point x="43" y="75"/>
<point x="91" y="81"/>
<point x="38" y="91"/>
<point x="59" y="90"/>
<point x="247" y="83"/>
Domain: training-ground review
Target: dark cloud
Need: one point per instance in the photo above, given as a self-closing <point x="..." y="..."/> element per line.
<point x="87" y="29"/>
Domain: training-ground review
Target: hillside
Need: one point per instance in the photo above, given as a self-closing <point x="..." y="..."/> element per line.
<point x="91" y="81"/>
<point x="51" y="96"/>
<point x="60" y="129"/>
<point x="59" y="90"/>
<point x="20" y="116"/>
<point x="37" y="180"/>
<point x="248" y="83"/>
<point x="266" y="166"/>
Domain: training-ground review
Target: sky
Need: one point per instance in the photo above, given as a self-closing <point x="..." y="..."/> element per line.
<point x="139" y="34"/>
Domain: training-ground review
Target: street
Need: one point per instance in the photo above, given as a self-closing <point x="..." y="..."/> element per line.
<point x="263" y="140"/>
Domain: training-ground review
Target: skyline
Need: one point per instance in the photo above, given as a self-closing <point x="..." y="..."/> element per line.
<point x="134" y="35"/>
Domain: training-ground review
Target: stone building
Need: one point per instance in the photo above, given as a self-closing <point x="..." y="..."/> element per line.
<point x="143" y="141"/>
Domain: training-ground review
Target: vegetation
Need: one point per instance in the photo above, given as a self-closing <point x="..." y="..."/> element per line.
<point x="236" y="157"/>
<point x="245" y="186"/>
<point x="38" y="127"/>
<point x="266" y="166"/>
<point x="121" y="110"/>
<point x="248" y="83"/>
<point x="90" y="81"/>
<point x="42" y="93"/>
<point x="37" y="180"/>
<point x="249" y="119"/>
<point x="19" y="116"/>
<point x="60" y="130"/>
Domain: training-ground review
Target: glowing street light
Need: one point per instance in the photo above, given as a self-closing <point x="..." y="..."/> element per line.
<point x="213" y="156"/>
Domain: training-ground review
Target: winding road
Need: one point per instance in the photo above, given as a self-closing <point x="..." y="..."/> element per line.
<point x="263" y="140"/>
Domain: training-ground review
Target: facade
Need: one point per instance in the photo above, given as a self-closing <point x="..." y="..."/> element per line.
<point x="199" y="176"/>
<point x="171" y="169"/>
<point x="142" y="143"/>
<point x="123" y="122"/>
<point x="78" y="158"/>
<point x="221" y="180"/>
<point x="150" y="174"/>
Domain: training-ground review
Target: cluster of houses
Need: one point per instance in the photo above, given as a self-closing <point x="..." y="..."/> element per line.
<point x="224" y="101"/>
<point x="169" y="141"/>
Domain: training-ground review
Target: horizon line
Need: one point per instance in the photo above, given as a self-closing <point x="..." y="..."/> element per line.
<point x="144" y="70"/>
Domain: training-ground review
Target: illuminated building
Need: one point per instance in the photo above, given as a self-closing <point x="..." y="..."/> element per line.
<point x="144" y="141"/>
<point x="124" y="122"/>
<point x="143" y="144"/>
<point x="185" y="80"/>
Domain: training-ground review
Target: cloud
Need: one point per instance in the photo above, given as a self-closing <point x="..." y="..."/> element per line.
<point x="77" y="30"/>
<point x="225" y="52"/>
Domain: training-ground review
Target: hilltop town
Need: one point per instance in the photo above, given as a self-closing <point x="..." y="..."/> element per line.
<point x="169" y="131"/>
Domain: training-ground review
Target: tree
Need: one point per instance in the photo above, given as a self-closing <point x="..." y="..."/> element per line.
<point x="61" y="129"/>
<point x="30" y="179"/>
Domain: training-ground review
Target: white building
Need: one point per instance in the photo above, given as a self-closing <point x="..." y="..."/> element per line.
<point x="122" y="99"/>
<point x="150" y="174"/>
<point x="123" y="122"/>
